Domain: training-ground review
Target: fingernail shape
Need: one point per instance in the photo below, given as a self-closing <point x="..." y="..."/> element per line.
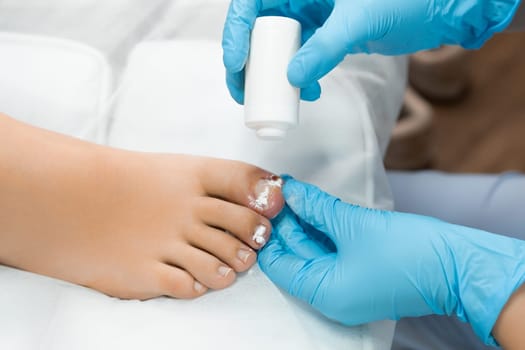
<point x="244" y="255"/>
<point x="258" y="235"/>
<point x="224" y="271"/>
<point x="198" y="287"/>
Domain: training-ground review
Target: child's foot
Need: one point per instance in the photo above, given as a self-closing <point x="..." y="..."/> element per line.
<point x="136" y="225"/>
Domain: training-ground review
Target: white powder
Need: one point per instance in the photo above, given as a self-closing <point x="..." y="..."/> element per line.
<point x="261" y="202"/>
<point x="258" y="236"/>
<point x="275" y="183"/>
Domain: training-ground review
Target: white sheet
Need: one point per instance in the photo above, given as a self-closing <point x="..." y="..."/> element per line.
<point x="38" y="312"/>
<point x="54" y="83"/>
<point x="42" y="313"/>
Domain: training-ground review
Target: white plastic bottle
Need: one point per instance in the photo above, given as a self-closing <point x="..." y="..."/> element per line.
<point x="271" y="103"/>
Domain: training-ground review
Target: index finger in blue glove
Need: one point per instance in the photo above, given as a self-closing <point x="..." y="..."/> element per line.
<point x="288" y="230"/>
<point x="311" y="93"/>
<point x="298" y="276"/>
<point x="235" y="83"/>
<point x="236" y="34"/>
<point x="236" y="43"/>
<point x="315" y="207"/>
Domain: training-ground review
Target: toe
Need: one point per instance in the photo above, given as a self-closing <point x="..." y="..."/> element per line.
<point x="225" y="247"/>
<point x="243" y="184"/>
<point x="204" y="267"/>
<point x="177" y="283"/>
<point x="245" y="224"/>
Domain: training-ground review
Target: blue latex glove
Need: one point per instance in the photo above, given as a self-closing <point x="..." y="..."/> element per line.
<point x="239" y="23"/>
<point x="388" y="265"/>
<point x="388" y="27"/>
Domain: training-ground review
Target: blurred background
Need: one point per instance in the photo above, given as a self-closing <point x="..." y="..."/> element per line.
<point x="465" y="110"/>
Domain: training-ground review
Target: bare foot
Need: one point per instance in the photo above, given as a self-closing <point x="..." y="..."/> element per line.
<point x="131" y="225"/>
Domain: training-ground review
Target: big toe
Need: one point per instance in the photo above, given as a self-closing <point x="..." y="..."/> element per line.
<point x="244" y="184"/>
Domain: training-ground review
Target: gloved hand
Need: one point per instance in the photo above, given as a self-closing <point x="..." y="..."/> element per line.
<point x="388" y="27"/>
<point x="388" y="265"/>
<point x="239" y="23"/>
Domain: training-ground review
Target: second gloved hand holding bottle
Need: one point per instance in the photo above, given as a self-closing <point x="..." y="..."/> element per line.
<point x="334" y="28"/>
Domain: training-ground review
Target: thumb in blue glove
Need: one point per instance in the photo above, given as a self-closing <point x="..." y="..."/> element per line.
<point x="388" y="265"/>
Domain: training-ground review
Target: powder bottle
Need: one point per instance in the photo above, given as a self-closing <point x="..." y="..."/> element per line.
<point x="271" y="103"/>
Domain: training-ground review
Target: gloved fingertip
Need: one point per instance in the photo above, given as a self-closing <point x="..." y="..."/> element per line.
<point x="319" y="54"/>
<point x="231" y="59"/>
<point x="311" y="93"/>
<point x="238" y="96"/>
<point x="286" y="177"/>
<point x="293" y="191"/>
<point x="297" y="73"/>
<point x="235" y="84"/>
<point x="236" y="41"/>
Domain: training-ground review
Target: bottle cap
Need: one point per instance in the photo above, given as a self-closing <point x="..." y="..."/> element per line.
<point x="271" y="133"/>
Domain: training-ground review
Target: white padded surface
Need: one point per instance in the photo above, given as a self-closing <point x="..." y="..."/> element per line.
<point x="42" y="313"/>
<point x="56" y="84"/>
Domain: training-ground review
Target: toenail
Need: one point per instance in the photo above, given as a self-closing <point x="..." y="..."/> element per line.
<point x="258" y="235"/>
<point x="198" y="287"/>
<point x="244" y="255"/>
<point x="263" y="191"/>
<point x="224" y="271"/>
